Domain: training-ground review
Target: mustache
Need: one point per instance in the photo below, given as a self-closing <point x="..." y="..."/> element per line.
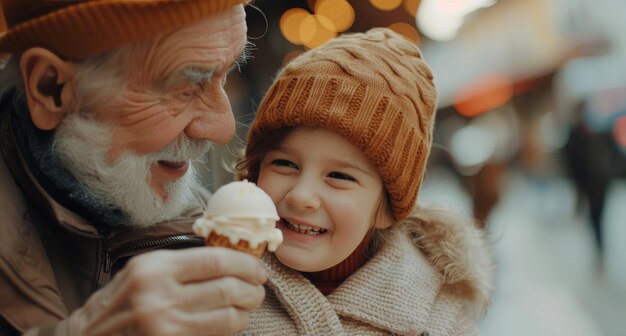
<point x="183" y="149"/>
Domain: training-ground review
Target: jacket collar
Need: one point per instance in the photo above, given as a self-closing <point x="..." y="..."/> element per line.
<point x="34" y="148"/>
<point x="459" y="251"/>
<point x="394" y="291"/>
<point x="299" y="296"/>
<point x="453" y="256"/>
<point x="26" y="279"/>
<point x="35" y="191"/>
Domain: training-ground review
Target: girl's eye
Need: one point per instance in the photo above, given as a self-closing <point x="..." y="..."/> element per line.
<point x="284" y="163"/>
<point x="341" y="176"/>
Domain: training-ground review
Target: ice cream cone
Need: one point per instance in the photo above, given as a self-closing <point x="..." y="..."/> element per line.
<point x="222" y="241"/>
<point x="240" y="216"/>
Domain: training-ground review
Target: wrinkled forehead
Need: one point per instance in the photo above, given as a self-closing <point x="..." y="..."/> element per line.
<point x="210" y="47"/>
<point x="220" y="38"/>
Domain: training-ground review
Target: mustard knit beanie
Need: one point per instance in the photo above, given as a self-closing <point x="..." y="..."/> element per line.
<point x="76" y="29"/>
<point x="374" y="89"/>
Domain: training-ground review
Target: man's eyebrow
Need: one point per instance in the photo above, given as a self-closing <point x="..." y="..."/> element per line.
<point x="189" y="74"/>
<point x="197" y="75"/>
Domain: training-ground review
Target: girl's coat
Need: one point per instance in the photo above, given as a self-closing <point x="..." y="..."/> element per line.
<point x="431" y="277"/>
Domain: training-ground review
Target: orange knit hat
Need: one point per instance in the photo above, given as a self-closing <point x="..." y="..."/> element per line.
<point x="374" y="89"/>
<point x="77" y="29"/>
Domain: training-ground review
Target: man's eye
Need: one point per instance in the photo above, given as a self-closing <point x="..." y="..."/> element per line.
<point x="341" y="176"/>
<point x="188" y="93"/>
<point x="284" y="163"/>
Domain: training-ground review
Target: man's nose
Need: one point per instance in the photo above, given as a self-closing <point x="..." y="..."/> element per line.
<point x="303" y="196"/>
<point x="214" y="119"/>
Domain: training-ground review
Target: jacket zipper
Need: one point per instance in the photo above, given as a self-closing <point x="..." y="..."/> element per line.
<point x="110" y="256"/>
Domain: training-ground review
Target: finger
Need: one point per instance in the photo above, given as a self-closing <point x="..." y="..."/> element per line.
<point x="204" y="263"/>
<point x="121" y="322"/>
<point x="106" y="301"/>
<point x="223" y="292"/>
<point x="138" y="285"/>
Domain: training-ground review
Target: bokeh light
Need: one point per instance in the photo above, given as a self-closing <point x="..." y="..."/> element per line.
<point x="386" y="5"/>
<point x="485" y="94"/>
<point x="339" y="12"/>
<point x="411" y="6"/>
<point x="290" y="23"/>
<point x="407" y="31"/>
<point x="619" y="131"/>
<point x="316" y="30"/>
<point x="471" y="147"/>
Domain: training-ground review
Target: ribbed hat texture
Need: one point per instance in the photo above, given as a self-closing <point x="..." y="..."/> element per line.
<point x="77" y="29"/>
<point x="374" y="89"/>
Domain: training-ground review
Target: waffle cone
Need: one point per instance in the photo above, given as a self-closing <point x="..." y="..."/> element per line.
<point x="222" y="241"/>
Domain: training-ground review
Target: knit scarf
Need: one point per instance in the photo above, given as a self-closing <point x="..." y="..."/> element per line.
<point x="329" y="279"/>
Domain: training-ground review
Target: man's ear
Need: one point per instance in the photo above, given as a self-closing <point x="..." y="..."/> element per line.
<point x="48" y="85"/>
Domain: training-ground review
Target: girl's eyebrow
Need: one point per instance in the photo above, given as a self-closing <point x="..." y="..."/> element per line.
<point x="282" y="149"/>
<point x="334" y="162"/>
<point x="349" y="165"/>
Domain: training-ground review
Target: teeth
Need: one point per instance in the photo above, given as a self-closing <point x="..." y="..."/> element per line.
<point x="304" y="229"/>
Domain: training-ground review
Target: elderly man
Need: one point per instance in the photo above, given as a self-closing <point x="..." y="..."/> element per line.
<point x="103" y="106"/>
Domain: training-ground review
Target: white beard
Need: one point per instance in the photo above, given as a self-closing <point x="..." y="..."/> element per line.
<point x="81" y="144"/>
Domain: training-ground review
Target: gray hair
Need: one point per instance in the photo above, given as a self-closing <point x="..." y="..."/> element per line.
<point x="10" y="75"/>
<point x="98" y="78"/>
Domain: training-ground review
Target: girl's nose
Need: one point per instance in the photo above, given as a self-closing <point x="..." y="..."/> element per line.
<point x="303" y="197"/>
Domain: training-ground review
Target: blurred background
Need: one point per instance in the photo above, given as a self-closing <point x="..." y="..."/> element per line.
<point x="530" y="137"/>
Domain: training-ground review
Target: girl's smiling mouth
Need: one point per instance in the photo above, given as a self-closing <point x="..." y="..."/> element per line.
<point x="303" y="229"/>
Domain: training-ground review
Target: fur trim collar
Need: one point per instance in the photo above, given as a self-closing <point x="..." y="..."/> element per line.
<point x="457" y="249"/>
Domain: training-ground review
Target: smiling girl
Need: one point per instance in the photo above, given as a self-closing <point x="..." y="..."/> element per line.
<point x="340" y="143"/>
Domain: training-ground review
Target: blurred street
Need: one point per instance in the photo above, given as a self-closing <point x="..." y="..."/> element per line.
<point x="550" y="281"/>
